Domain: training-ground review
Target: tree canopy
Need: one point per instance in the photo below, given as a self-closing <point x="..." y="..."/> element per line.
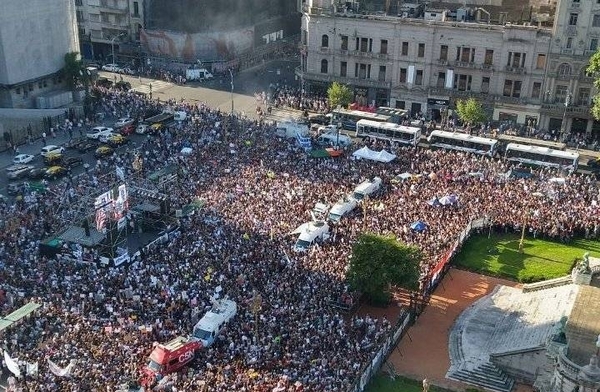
<point x="339" y="94"/>
<point x="73" y="70"/>
<point x="593" y="70"/>
<point x="380" y="261"/>
<point x="470" y="111"/>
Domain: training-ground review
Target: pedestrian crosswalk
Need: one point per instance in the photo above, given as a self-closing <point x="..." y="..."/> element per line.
<point x="153" y="86"/>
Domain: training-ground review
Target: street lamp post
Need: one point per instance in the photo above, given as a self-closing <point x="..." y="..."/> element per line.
<point x="563" y="125"/>
<point x="231" y="74"/>
<point x="112" y="43"/>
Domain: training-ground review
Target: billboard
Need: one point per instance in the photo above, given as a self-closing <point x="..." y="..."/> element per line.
<point x="111" y="205"/>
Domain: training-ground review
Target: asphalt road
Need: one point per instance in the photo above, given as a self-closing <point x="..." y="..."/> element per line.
<point x="215" y="93"/>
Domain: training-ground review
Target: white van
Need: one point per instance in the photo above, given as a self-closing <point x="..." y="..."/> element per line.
<point x="291" y="129"/>
<point x="212" y="324"/>
<point x="343" y="207"/>
<point x="331" y="138"/>
<point x="366" y="188"/>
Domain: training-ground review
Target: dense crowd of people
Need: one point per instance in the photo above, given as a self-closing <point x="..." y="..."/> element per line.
<point x="257" y="189"/>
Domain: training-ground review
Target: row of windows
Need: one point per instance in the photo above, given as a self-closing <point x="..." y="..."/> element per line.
<point x="461" y="82"/>
<point x="463" y="53"/>
<point x="41" y="84"/>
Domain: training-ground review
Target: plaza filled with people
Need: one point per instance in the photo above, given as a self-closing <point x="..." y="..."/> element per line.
<point x="256" y="189"/>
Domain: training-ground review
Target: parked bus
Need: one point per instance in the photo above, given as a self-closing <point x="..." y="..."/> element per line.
<point x="349" y="118"/>
<point x="541" y="156"/>
<point x="396" y="115"/>
<point x="463" y="142"/>
<point x="388" y="131"/>
<point x="506" y="139"/>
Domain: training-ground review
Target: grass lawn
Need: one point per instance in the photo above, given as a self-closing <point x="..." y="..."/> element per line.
<point x="540" y="260"/>
<point x="383" y="383"/>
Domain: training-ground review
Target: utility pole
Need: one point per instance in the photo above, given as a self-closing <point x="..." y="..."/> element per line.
<point x="563" y="126"/>
<point x="231" y="74"/>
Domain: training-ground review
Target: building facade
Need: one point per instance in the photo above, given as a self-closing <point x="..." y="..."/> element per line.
<point x="425" y="64"/>
<point x="576" y="32"/>
<point x="104" y="24"/>
<point x="33" y="42"/>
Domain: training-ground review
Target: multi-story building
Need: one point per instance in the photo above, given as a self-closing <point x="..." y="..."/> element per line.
<point x="105" y="24"/>
<point x="576" y="33"/>
<point x="33" y="42"/>
<point x="424" y="64"/>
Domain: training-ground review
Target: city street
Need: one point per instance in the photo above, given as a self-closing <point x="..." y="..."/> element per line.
<point x="215" y="93"/>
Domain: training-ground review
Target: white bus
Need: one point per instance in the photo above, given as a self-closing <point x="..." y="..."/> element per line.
<point x="463" y="142"/>
<point x="388" y="131"/>
<point x="349" y="118"/>
<point x="541" y="156"/>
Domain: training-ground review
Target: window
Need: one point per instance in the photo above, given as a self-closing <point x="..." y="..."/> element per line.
<point x="362" y="71"/>
<point x="516" y="59"/>
<point x="325" y="41"/>
<point x="541" y="61"/>
<point x="560" y="93"/>
<point x="573" y="19"/>
<point x="465" y="54"/>
<point x="400" y="104"/>
<point x="30" y="87"/>
<point x="381" y="76"/>
<point x="404" y="48"/>
<point x="512" y="88"/>
<point x="403" y="73"/>
<point x="444" y="52"/>
<point x="536" y="90"/>
<point x="343" y="69"/>
<point x="421" y="52"/>
<point x="419" y="77"/>
<point x="596" y="20"/>
<point x="344" y="42"/>
<point x="489" y="57"/>
<point x="583" y="99"/>
<point x="18" y="90"/>
<point x="136" y="9"/>
<point x="485" y="84"/>
<point x="569" y="42"/>
<point x="441" y="80"/>
<point x="462" y="82"/>
<point x="594" y="44"/>
<point x="324" y="66"/>
<point x="78" y="3"/>
<point x="383" y="47"/>
<point x="366" y="45"/>
<point x="564" y="69"/>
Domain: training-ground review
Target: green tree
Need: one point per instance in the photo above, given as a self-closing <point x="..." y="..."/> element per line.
<point x="339" y="94"/>
<point x="593" y="70"/>
<point x="380" y="261"/>
<point x="73" y="70"/>
<point x="470" y="111"/>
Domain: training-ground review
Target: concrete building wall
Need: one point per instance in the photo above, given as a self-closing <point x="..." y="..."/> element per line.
<point x="35" y="38"/>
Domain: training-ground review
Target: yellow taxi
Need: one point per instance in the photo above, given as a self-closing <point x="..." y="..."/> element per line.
<point x="53" y="158"/>
<point x="116" y="140"/>
<point x="54" y="172"/>
<point x="103" y="151"/>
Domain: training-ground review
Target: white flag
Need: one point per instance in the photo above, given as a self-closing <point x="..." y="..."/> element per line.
<point x="58" y="371"/>
<point x="12" y="365"/>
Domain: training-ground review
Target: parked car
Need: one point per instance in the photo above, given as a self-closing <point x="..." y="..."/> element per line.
<point x="123" y="86"/>
<point x="127" y="130"/>
<point x="23" y="158"/>
<point x="86" y="146"/>
<point x="103" y="151"/>
<point x="36" y="173"/>
<point x="53" y="159"/>
<point x="55" y="172"/>
<point x="128" y="71"/>
<point x="594" y="163"/>
<point x="15" y="172"/>
<point x="14" y="189"/>
<point x="111" y="68"/>
<point x="116" y="140"/>
<point x="72" y="162"/>
<point x="105" y="137"/>
<point x="104" y="82"/>
<point x="143" y="129"/>
<point x="96" y="132"/>
<point x="74" y="143"/>
<point x="123" y="121"/>
<point x="51" y="149"/>
<point x="321" y="119"/>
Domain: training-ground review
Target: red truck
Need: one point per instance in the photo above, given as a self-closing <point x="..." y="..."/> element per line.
<point x="169" y="357"/>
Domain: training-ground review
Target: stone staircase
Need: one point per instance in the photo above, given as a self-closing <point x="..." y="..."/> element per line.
<point x="547" y="284"/>
<point x="486" y="376"/>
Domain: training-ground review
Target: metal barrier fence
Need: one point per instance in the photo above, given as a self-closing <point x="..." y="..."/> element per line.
<point x="435" y="276"/>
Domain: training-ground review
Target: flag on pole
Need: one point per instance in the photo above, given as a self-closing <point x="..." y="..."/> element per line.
<point x="12" y="365"/>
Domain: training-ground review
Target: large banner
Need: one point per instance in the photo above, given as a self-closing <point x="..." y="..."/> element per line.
<point x="207" y="46"/>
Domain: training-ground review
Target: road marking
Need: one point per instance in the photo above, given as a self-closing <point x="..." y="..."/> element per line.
<point x="157" y="85"/>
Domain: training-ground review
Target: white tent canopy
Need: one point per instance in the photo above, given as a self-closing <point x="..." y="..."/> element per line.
<point x="367" y="153"/>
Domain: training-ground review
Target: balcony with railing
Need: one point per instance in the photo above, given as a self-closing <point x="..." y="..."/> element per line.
<point x="465" y="64"/>
<point x="516" y="70"/>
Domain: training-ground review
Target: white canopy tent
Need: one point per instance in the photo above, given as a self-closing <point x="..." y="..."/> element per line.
<point x="367" y="153"/>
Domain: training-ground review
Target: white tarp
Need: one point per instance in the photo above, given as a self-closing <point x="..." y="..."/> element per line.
<point x="367" y="153"/>
<point x="12" y="365"/>
<point x="60" y="372"/>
